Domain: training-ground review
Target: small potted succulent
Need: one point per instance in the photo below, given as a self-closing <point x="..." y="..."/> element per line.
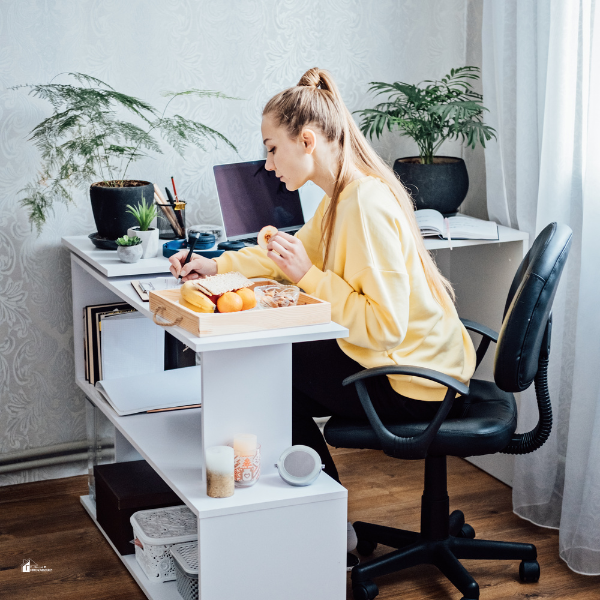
<point x="129" y="249"/>
<point x="430" y="113"/>
<point x="144" y="214"/>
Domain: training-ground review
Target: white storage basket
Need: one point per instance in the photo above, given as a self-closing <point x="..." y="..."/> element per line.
<point x="185" y="557"/>
<point x="157" y="530"/>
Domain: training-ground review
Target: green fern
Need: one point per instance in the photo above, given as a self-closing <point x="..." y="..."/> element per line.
<point x="83" y="140"/>
<point x="432" y="113"/>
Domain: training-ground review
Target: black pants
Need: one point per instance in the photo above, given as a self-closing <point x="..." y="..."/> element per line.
<point x="318" y="369"/>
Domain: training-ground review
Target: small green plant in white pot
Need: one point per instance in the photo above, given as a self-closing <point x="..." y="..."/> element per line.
<point x="129" y="249"/>
<point x="144" y="214"/>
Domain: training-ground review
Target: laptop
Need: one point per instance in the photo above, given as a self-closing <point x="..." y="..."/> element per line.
<point x="251" y="197"/>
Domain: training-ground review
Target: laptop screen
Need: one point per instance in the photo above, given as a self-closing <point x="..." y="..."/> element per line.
<point x="252" y="197"/>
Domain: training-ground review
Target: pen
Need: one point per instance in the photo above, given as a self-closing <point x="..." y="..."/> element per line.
<point x="174" y="190"/>
<point x="176" y="210"/>
<point x="194" y="238"/>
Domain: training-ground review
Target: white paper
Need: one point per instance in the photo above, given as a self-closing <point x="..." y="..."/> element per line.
<point x="140" y="393"/>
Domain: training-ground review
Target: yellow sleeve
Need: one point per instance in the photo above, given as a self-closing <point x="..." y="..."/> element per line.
<point x="372" y="297"/>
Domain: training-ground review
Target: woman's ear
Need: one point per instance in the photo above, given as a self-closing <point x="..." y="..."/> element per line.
<point x="308" y="139"/>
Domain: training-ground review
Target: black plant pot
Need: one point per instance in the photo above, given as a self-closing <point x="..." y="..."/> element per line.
<point x="109" y="205"/>
<point x="442" y="185"/>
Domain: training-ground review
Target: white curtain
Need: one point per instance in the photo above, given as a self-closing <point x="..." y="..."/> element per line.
<point x="541" y="83"/>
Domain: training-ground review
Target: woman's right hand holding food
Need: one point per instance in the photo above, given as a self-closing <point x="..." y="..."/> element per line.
<point x="196" y="268"/>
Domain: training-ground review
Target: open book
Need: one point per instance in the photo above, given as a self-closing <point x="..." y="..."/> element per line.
<point x="177" y="388"/>
<point x="432" y="223"/>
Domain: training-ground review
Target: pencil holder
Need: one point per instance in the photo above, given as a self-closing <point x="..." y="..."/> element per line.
<point x="247" y="469"/>
<point x="171" y="221"/>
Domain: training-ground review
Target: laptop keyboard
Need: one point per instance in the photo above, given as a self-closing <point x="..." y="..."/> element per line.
<point x="252" y="241"/>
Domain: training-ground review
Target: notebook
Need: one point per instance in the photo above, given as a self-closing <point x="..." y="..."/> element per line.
<point x="150" y="392"/>
<point x="250" y="197"/>
<point x="461" y="227"/>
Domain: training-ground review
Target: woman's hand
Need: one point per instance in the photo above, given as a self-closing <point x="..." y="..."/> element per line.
<point x="197" y="267"/>
<point x="289" y="254"/>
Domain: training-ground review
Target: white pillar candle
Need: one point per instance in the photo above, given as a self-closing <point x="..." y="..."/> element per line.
<point x="219" y="463"/>
<point x="245" y="444"/>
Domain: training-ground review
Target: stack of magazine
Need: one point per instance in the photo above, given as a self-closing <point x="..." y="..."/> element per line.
<point x="125" y="361"/>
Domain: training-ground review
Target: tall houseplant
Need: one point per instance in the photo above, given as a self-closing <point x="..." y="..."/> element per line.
<point x="432" y="112"/>
<point x="85" y="142"/>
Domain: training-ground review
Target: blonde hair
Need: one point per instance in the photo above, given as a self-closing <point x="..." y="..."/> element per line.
<point x="316" y="100"/>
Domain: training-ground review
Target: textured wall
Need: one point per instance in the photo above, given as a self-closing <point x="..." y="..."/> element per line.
<point x="249" y="49"/>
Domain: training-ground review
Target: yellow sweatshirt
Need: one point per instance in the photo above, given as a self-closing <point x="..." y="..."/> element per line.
<point x="377" y="289"/>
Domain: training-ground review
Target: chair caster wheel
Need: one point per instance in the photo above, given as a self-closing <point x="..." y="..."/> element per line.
<point x="529" y="571"/>
<point x="365" y="590"/>
<point x="366" y="547"/>
<point x="467" y="532"/>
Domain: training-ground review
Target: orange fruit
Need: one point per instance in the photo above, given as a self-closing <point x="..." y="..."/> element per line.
<point x="248" y="298"/>
<point x="230" y="302"/>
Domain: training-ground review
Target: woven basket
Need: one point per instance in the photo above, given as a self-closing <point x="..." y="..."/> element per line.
<point x="185" y="557"/>
<point x="156" y="531"/>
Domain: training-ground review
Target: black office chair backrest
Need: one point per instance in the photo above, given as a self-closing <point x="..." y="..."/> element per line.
<point x="528" y="308"/>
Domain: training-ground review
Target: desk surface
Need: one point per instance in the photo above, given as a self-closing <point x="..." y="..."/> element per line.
<point x="107" y="263"/>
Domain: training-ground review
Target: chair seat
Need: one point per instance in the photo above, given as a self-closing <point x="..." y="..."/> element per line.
<point x="486" y="426"/>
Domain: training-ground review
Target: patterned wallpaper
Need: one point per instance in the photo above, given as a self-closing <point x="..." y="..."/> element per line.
<point x="250" y="49"/>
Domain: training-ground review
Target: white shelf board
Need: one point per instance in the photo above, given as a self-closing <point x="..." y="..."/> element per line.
<point x="171" y="443"/>
<point x="121" y="286"/>
<point x="155" y="590"/>
<point x="505" y="234"/>
<point x="107" y="262"/>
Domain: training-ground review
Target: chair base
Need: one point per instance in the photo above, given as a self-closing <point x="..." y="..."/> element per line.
<point x="443" y="540"/>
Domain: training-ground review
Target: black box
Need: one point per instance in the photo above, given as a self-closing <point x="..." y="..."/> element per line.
<point x="121" y="490"/>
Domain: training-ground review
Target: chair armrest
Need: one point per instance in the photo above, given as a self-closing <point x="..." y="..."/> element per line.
<point x="488" y="335"/>
<point x="401" y="447"/>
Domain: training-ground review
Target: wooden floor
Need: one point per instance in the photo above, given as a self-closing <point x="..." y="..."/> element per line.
<point x="45" y="521"/>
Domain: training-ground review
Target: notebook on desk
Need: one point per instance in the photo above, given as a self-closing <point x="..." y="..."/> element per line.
<point x="251" y="197"/>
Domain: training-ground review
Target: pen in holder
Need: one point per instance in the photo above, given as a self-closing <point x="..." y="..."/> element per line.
<point x="246" y="460"/>
<point x="171" y="221"/>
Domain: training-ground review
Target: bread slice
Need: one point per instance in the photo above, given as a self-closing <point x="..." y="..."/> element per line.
<point x="215" y="285"/>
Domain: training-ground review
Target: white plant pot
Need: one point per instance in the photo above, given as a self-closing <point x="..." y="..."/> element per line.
<point x="129" y="254"/>
<point x="150" y="241"/>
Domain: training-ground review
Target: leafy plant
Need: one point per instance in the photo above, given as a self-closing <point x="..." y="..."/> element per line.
<point x="432" y="113"/>
<point x="86" y="140"/>
<point x="129" y="241"/>
<point x="143" y="213"/>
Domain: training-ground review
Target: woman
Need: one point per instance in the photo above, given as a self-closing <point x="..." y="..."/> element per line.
<point x="363" y="253"/>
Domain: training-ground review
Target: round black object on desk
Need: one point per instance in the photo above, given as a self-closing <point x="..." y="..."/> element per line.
<point x="102" y="243"/>
<point x="230" y="245"/>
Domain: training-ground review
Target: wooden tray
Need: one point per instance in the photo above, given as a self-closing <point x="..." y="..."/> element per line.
<point x="167" y="310"/>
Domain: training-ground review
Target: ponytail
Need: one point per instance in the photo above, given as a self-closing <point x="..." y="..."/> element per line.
<point x="316" y="100"/>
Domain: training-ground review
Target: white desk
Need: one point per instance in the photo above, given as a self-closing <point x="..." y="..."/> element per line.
<point x="263" y="541"/>
<point x="277" y="532"/>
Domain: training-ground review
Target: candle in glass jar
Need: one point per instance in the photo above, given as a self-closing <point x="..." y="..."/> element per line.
<point x="245" y="444"/>
<point x="219" y="464"/>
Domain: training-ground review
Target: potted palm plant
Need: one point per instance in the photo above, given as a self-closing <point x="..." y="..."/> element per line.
<point x="86" y="142"/>
<point x="432" y="112"/>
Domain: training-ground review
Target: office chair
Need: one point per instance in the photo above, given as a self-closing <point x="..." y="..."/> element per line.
<point x="487" y="425"/>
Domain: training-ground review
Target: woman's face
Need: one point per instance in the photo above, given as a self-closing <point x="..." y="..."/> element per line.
<point x="292" y="160"/>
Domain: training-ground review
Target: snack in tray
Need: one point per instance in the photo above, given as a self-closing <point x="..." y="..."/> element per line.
<point x="277" y="296"/>
<point x="265" y="234"/>
<point x="218" y="291"/>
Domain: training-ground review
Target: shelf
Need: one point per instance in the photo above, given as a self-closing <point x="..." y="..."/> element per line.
<point x="505" y="234"/>
<point x="162" y="590"/>
<point x="171" y="443"/>
<point x="107" y="262"/>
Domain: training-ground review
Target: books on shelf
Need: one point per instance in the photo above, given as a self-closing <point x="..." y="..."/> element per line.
<point x="461" y="227"/>
<point x="153" y="392"/>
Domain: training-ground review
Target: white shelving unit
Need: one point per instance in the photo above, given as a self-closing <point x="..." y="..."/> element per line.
<point x="289" y="542"/>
